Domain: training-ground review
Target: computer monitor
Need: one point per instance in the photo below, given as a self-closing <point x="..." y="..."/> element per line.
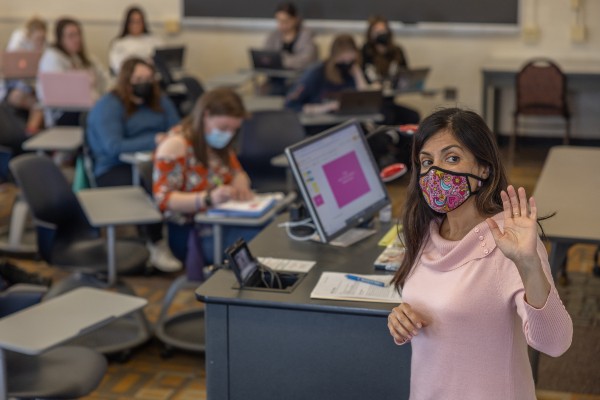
<point x="338" y="179"/>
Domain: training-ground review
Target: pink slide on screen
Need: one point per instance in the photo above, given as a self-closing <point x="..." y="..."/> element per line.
<point x="346" y="179"/>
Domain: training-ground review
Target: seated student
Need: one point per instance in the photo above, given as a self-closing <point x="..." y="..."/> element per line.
<point x="19" y="94"/>
<point x="382" y="59"/>
<point x="68" y="53"/>
<point x="341" y="71"/>
<point x="195" y="167"/>
<point x="294" y="40"/>
<point x="134" y="116"/>
<point x="135" y="40"/>
<point x="31" y="37"/>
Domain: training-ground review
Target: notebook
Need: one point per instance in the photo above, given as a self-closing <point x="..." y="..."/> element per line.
<point x="257" y="207"/>
<point x="359" y="102"/>
<point x="266" y="59"/>
<point x="410" y="80"/>
<point x="67" y="90"/>
<point x="337" y="286"/>
<point x="20" y="64"/>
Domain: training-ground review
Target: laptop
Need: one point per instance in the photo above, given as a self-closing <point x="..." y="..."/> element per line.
<point x="171" y="57"/>
<point x="20" y="64"/>
<point x="359" y="102"/>
<point x="66" y="90"/>
<point x="410" y="80"/>
<point x="266" y="59"/>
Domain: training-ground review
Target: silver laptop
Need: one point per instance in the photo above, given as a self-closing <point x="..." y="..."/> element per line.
<point x="410" y="80"/>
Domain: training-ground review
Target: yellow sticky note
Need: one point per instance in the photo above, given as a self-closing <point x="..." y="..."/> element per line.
<point x="390" y="236"/>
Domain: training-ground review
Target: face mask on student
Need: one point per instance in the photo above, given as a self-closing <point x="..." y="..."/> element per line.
<point x="218" y="139"/>
<point x="344" y="67"/>
<point x="144" y="91"/>
<point x="383" y="38"/>
<point x="444" y="190"/>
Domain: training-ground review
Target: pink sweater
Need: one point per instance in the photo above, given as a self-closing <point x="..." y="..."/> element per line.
<point x="476" y="344"/>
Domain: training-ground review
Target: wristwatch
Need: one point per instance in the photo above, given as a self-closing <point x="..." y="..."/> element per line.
<point x="207" y="199"/>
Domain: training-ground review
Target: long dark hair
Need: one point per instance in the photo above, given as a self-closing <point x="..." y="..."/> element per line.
<point x="59" y="30"/>
<point x="472" y="132"/>
<point x="291" y="10"/>
<point x="217" y="102"/>
<point x="393" y="51"/>
<point x="123" y="87"/>
<point x="340" y="44"/>
<point x="128" y="13"/>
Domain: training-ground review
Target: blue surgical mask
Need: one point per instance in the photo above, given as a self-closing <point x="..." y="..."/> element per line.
<point x="218" y="139"/>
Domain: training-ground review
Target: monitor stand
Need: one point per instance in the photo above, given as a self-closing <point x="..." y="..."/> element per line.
<point x="348" y="238"/>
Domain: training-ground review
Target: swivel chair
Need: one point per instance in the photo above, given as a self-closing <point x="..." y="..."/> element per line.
<point x="541" y="90"/>
<point x="63" y="372"/>
<point x="67" y="240"/>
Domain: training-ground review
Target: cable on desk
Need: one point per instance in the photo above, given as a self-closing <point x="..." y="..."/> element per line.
<point x="303" y="223"/>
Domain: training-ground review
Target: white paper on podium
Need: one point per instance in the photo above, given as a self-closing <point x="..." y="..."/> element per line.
<point x="336" y="286"/>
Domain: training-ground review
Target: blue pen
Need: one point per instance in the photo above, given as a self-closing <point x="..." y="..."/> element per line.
<point x="365" y="280"/>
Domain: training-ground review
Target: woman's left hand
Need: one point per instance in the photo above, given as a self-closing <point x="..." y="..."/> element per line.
<point x="518" y="240"/>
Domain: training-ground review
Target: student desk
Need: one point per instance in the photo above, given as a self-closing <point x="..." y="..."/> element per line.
<point x="568" y="185"/>
<point x="40" y="327"/>
<point x="135" y="160"/>
<point x="499" y="73"/>
<point x="330" y="119"/>
<point x="112" y="206"/>
<point x="58" y="138"/>
<point x="218" y="222"/>
<point x="266" y="345"/>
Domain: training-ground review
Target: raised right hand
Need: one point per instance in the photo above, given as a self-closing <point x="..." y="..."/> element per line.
<point x="404" y="323"/>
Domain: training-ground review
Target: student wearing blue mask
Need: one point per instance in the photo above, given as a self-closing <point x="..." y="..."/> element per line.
<point x="195" y="168"/>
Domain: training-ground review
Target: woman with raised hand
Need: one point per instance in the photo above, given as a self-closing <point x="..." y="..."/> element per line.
<point x="475" y="281"/>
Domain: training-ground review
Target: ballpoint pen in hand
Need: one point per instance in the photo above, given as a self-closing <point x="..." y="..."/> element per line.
<point x="365" y="280"/>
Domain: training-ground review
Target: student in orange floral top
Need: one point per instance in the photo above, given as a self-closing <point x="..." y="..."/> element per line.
<point x="196" y="168"/>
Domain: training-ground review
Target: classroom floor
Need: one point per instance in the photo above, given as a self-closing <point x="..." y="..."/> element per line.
<point x="149" y="376"/>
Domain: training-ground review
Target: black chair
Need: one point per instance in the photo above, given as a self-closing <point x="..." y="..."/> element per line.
<point x="541" y="90"/>
<point x="67" y="240"/>
<point x="65" y="372"/>
<point x="263" y="136"/>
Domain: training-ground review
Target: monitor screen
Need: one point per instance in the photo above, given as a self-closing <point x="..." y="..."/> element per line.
<point x="338" y="178"/>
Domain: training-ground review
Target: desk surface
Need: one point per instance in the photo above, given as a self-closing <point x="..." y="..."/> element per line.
<point x="273" y="242"/>
<point x="118" y="206"/>
<point x="45" y="325"/>
<point x="63" y="138"/>
<point x="568" y="185"/>
<point x="137" y="157"/>
<point x="334" y="119"/>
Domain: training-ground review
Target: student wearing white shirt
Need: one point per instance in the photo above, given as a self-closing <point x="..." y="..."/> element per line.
<point x="135" y="40"/>
<point x="31" y="37"/>
<point x="68" y="53"/>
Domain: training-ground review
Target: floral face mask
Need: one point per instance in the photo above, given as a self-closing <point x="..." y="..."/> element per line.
<point x="444" y="190"/>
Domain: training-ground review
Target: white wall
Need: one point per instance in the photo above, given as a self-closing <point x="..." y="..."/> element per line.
<point x="456" y="59"/>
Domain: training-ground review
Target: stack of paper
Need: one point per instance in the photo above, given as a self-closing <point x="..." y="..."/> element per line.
<point x="336" y="286"/>
<point x="257" y="207"/>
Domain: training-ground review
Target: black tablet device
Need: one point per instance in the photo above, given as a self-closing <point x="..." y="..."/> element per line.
<point x="242" y="262"/>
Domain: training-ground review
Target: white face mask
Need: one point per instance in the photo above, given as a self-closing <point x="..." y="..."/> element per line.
<point x="218" y="139"/>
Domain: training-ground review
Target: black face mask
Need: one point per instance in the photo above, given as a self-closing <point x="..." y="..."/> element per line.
<point x="344" y="67"/>
<point x="144" y="91"/>
<point x="383" y="38"/>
